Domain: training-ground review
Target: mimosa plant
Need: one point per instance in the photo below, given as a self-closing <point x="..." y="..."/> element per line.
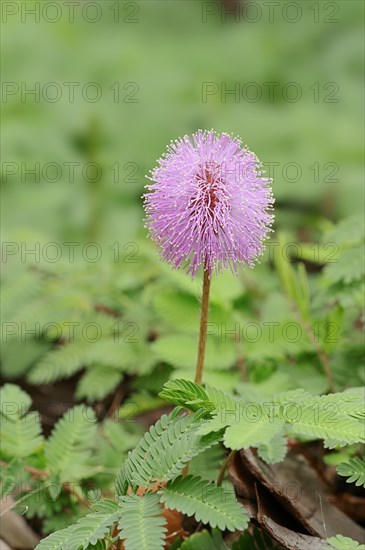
<point x="209" y="208"/>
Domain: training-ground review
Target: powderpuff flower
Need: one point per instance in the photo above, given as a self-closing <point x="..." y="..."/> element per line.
<point x="208" y="204"/>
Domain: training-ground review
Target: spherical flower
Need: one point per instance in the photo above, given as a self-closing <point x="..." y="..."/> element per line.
<point x="209" y="204"/>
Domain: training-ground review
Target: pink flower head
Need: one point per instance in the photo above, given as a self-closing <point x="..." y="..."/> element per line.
<point x="209" y="204"/>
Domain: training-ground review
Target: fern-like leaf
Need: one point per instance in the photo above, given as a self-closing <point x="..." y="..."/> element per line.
<point x="89" y="530"/>
<point x="219" y="399"/>
<point x="350" y="402"/>
<point x="251" y="432"/>
<point x="207" y="464"/>
<point x="97" y="383"/>
<point x="20" y="432"/>
<point x="142" y="524"/>
<point x="62" y="363"/>
<point x="14" y="401"/>
<point x="354" y="470"/>
<point x="274" y="450"/>
<point x="70" y="358"/>
<point x="106" y="506"/>
<point x="350" y="230"/>
<point x="67" y="451"/>
<point x="164" y="450"/>
<point x="187" y="394"/>
<point x="321" y="423"/>
<point x="206" y="502"/>
<point x="57" y="540"/>
<point x="350" y="266"/>
<point x="194" y="397"/>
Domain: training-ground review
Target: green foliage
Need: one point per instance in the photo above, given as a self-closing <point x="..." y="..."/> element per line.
<point x="175" y="440"/>
<point x="186" y="393"/>
<point x="65" y="360"/>
<point x="256" y="540"/>
<point x="206" y="502"/>
<point x="74" y="329"/>
<point x="57" y="540"/>
<point x="344" y="543"/>
<point x="21" y="430"/>
<point x="50" y="475"/>
<point x="295" y="283"/>
<point x="164" y="451"/>
<point x="141" y="524"/>
<point x="207" y="463"/>
<point x="90" y="529"/>
<point x="67" y="451"/>
<point x="344" y="278"/>
<point x="339" y="429"/>
<point x="180" y="351"/>
<point x="159" y="457"/>
<point x="348" y="231"/>
<point x="354" y="470"/>
<point x="251" y="432"/>
<point x="97" y="383"/>
<point x="146" y="323"/>
<point x="203" y="541"/>
<point x="336" y="418"/>
<point x="273" y="450"/>
<point x="349" y="235"/>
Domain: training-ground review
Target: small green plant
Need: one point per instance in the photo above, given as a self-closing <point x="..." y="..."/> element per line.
<point x="152" y="478"/>
<point x="68" y="470"/>
<point x="90" y="482"/>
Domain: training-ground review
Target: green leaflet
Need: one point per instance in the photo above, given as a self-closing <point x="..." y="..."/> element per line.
<point x="354" y="470"/>
<point x="105" y="506"/>
<point x="67" y="451"/>
<point x="164" y="450"/>
<point x="206" y="502"/>
<point x="251" y="432"/>
<point x="21" y="433"/>
<point x="177" y="309"/>
<point x="350" y="266"/>
<point x="97" y="382"/>
<point x="141" y="525"/>
<point x="274" y="450"/>
<point x="62" y="363"/>
<point x="208" y="463"/>
<point x="350" y="230"/>
<point x="340" y="429"/>
<point x="344" y="543"/>
<point x="333" y="417"/>
<point x="220" y="399"/>
<point x="89" y="530"/>
<point x="185" y="393"/>
<point x="57" y="540"/>
<point x="205" y="540"/>
<point x="336" y="418"/>
<point x="15" y="402"/>
<point x="70" y="358"/>
<point x="194" y="397"/>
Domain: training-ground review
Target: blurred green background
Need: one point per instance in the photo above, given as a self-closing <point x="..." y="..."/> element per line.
<point x="137" y="74"/>
<point x="167" y="50"/>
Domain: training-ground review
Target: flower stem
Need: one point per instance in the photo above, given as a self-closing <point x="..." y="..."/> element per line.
<point x="203" y="328"/>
